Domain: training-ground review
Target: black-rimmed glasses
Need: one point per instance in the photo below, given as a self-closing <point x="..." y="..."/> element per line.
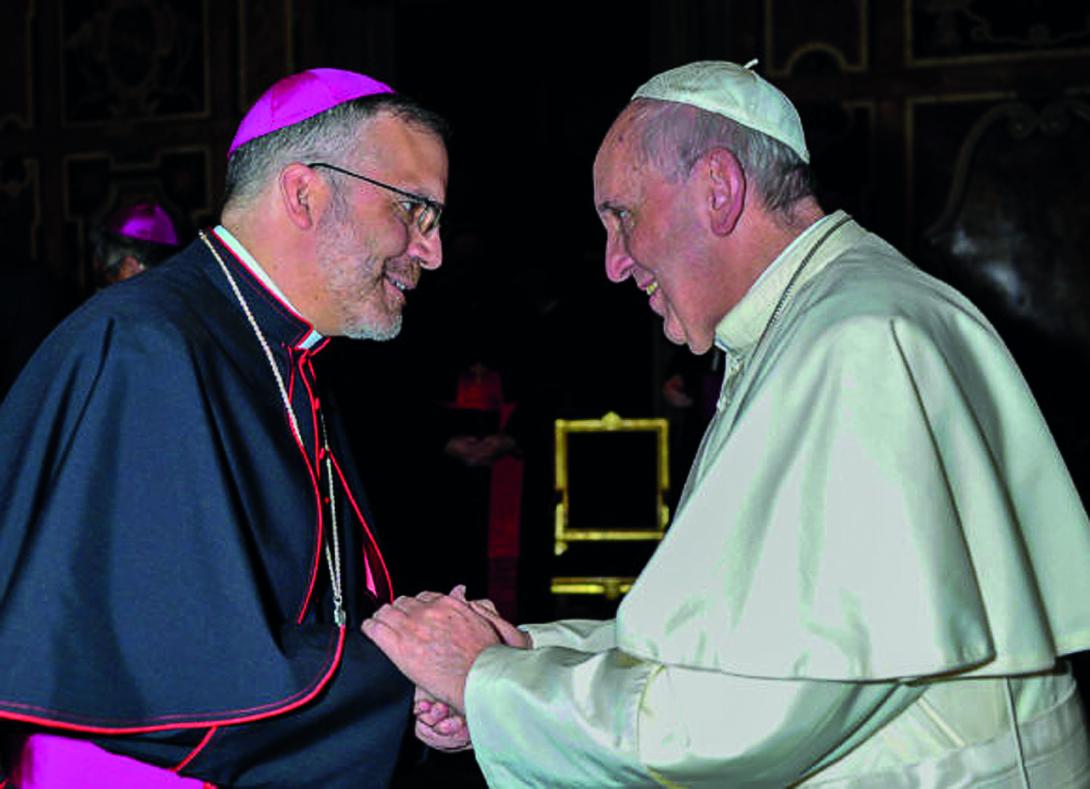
<point x="423" y="211"/>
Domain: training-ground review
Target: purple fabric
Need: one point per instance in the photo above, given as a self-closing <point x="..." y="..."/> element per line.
<point x="51" y="762"/>
<point x="145" y="221"/>
<point x="302" y="96"/>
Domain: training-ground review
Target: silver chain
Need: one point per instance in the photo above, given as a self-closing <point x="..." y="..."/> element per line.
<point x="737" y="363"/>
<point x="789" y="289"/>
<point x="333" y="559"/>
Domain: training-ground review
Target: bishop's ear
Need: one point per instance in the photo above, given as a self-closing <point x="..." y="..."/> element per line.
<point x="303" y="193"/>
<point x="726" y="189"/>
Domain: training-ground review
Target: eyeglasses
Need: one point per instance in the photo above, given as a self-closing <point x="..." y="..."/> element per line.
<point x="423" y="211"/>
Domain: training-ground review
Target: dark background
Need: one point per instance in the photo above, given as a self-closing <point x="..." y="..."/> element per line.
<point x="960" y="131"/>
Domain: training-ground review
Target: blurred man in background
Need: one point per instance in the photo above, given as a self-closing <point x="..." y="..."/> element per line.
<point x="130" y="241"/>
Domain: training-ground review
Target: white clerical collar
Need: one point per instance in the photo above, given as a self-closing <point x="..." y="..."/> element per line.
<point x="243" y="254"/>
<point x="740" y="328"/>
<point x="789" y="250"/>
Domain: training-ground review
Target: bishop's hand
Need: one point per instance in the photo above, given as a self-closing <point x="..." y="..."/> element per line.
<point x="433" y="639"/>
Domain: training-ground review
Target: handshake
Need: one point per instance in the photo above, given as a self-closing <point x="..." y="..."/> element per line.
<point x="433" y="639"/>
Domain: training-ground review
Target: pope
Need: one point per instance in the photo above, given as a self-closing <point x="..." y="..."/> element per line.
<point x="879" y="559"/>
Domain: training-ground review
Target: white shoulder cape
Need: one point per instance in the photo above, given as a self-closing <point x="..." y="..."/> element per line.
<point x="880" y="498"/>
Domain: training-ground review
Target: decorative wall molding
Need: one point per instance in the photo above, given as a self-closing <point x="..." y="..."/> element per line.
<point x="913" y="107"/>
<point x="838" y="32"/>
<point x="1020" y="120"/>
<point x="133" y="60"/>
<point x="941" y="32"/>
<point x="20" y="207"/>
<point x="17" y="87"/>
<point x="1012" y="223"/>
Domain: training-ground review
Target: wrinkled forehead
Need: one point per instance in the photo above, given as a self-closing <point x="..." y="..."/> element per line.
<point x="623" y="133"/>
<point x="620" y="155"/>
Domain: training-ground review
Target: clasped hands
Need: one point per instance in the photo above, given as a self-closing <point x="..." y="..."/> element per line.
<point x="434" y="639"/>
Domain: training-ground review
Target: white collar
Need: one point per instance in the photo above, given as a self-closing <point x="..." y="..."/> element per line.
<point x="243" y="254"/>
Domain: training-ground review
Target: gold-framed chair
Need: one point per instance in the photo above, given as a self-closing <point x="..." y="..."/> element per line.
<point x="612" y="479"/>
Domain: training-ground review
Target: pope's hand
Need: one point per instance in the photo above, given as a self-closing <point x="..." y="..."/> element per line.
<point x="511" y="635"/>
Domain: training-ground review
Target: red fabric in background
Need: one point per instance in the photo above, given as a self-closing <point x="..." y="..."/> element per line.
<point x="482" y="389"/>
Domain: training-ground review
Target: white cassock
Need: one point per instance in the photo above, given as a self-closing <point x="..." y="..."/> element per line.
<point x="877" y="561"/>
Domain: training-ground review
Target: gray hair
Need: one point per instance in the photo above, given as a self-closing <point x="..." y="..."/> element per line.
<point x="674" y="136"/>
<point x="327" y="136"/>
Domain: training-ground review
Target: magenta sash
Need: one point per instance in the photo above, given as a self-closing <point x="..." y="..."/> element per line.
<point x="51" y="762"/>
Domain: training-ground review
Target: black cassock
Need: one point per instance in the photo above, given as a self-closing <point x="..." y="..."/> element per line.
<point x="162" y="532"/>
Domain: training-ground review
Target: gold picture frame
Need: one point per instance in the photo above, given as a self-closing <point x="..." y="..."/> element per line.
<point x="565" y="534"/>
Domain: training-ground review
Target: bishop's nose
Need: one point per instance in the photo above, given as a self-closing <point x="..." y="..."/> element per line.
<point x="428" y="249"/>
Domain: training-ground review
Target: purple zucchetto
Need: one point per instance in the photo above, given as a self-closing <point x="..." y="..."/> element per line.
<point x="143" y="221"/>
<point x="302" y="96"/>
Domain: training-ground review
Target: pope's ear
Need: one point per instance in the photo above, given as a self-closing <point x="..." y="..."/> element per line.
<point x="726" y="189"/>
<point x="303" y="195"/>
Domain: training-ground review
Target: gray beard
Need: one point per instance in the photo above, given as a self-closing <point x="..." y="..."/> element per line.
<point x="368" y="332"/>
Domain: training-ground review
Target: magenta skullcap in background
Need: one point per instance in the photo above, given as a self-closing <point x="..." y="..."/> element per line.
<point x="144" y="221"/>
<point x="302" y="96"/>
